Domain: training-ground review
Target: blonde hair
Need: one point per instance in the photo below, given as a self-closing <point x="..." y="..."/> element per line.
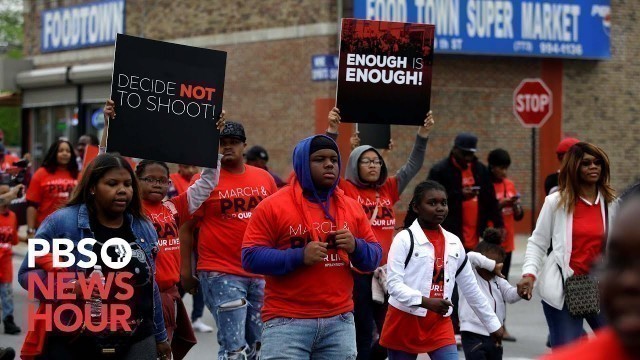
<point x="569" y="179"/>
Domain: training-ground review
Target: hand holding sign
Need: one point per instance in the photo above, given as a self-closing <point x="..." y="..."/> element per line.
<point x="222" y="121"/>
<point x="425" y="130"/>
<point x="334" y="120"/>
<point x="355" y="140"/>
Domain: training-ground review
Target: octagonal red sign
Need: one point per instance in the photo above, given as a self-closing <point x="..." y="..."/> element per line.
<point x="532" y="103"/>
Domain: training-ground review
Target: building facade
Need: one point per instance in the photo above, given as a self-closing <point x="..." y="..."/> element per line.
<point x="270" y="84"/>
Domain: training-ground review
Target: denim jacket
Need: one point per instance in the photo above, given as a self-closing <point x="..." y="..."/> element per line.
<point x="73" y="223"/>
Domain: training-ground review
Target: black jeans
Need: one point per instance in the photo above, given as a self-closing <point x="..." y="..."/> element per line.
<point x="369" y="318"/>
<point x="479" y="347"/>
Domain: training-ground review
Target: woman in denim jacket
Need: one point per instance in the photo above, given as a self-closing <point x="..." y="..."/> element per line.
<point x="106" y="204"/>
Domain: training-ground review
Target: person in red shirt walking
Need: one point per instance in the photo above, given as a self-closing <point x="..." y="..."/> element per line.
<point x="425" y="261"/>
<point x="166" y="217"/>
<point x="231" y="293"/>
<point x="51" y="185"/>
<point x="508" y="199"/>
<point x="575" y="221"/>
<point x="619" y="289"/>
<point x="8" y="238"/>
<point x="305" y="239"/>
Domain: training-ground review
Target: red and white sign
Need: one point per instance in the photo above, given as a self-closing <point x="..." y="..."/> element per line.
<point x="532" y="103"/>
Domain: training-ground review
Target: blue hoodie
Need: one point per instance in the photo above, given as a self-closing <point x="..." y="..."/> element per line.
<point x="269" y="261"/>
<point x="302" y="168"/>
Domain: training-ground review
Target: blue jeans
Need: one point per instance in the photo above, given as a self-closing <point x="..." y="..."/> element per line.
<point x="6" y="297"/>
<point x="449" y="352"/>
<point x="564" y="328"/>
<point x="318" y="339"/>
<point x="480" y="347"/>
<point x="236" y="304"/>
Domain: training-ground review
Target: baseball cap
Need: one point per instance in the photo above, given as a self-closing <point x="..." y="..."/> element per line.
<point x="257" y="152"/>
<point x="466" y="142"/>
<point x="234" y="130"/>
<point x="566" y="144"/>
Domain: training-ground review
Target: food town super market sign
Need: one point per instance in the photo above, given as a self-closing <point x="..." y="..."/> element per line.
<point x="552" y="28"/>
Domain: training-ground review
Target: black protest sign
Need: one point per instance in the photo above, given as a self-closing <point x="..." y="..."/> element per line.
<point x="376" y="135"/>
<point x="168" y="98"/>
<point x="384" y="75"/>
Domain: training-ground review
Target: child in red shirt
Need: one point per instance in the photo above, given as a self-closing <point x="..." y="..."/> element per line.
<point x="418" y="318"/>
<point x="8" y="238"/>
<point x="304" y="238"/>
<point x="166" y="217"/>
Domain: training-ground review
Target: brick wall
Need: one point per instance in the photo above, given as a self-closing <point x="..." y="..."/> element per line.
<point x="269" y="89"/>
<point x="170" y="19"/>
<point x="601" y="98"/>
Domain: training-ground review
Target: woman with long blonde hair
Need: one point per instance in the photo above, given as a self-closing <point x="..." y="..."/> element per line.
<point x="575" y="222"/>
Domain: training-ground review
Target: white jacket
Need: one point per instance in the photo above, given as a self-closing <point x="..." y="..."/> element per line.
<point x="497" y="291"/>
<point x="554" y="226"/>
<point x="408" y="286"/>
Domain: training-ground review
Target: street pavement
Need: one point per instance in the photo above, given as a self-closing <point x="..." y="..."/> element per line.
<point x="525" y="319"/>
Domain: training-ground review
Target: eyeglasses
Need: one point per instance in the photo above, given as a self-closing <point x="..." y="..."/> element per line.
<point x="151" y="181"/>
<point x="587" y="163"/>
<point x="368" y="162"/>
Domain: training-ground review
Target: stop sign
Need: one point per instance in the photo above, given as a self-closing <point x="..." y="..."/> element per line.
<point x="532" y="103"/>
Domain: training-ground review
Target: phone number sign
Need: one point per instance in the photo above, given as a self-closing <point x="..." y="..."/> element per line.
<point x="552" y="28"/>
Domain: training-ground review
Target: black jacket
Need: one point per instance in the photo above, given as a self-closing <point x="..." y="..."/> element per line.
<point x="447" y="174"/>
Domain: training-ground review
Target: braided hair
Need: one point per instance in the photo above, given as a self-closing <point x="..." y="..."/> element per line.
<point x="418" y="193"/>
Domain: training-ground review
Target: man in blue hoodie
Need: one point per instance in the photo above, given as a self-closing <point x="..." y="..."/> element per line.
<point x="304" y="239"/>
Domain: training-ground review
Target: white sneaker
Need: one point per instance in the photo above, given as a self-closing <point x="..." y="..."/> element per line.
<point x="199" y="326"/>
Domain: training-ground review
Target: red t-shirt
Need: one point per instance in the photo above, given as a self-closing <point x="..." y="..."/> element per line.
<point x="8" y="161"/>
<point x="179" y="182"/>
<point x="605" y="345"/>
<point x="382" y="198"/>
<point x="588" y="234"/>
<point x="8" y="238"/>
<point x="225" y="215"/>
<point x="50" y="191"/>
<point x="469" y="212"/>
<point x="417" y="334"/>
<point x="506" y="190"/>
<point x="322" y="290"/>
<point x="166" y="218"/>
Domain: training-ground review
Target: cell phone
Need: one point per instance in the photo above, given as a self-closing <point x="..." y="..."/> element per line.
<point x="516" y="197"/>
<point x="475" y="188"/>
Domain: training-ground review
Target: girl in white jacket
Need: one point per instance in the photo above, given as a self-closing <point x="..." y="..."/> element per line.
<point x="476" y="342"/>
<point x="425" y="261"/>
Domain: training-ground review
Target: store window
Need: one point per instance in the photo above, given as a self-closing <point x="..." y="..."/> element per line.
<point x="49" y="125"/>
